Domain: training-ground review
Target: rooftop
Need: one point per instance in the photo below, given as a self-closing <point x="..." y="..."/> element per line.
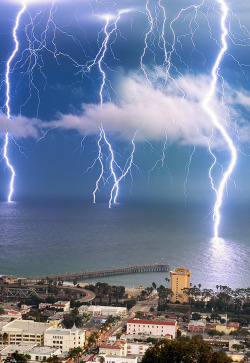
<point x="21" y="348"/>
<point x="180" y="270"/>
<point x="197" y="323"/>
<point x="25" y="326"/>
<point x="152" y="322"/>
<point x="61" y="331"/>
<point x="43" y="350"/>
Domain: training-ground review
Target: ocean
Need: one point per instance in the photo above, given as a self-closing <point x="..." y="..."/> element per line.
<point x="45" y="238"/>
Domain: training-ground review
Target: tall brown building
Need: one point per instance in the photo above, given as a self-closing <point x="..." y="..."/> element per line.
<point x="180" y="279"/>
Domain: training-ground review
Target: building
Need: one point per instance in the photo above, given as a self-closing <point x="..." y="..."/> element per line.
<point x="40" y="354"/>
<point x="137" y="349"/>
<point x="116" y="349"/>
<point x="13" y="313"/>
<point x="197" y="326"/>
<point x="225" y="328"/>
<point x="104" y="311"/>
<point x="37" y="353"/>
<point x="180" y="279"/>
<point x="24" y="331"/>
<point x="22" y="348"/>
<point x="62" y="305"/>
<point x="157" y="328"/>
<point x="64" y="339"/>
<point x="59" y="305"/>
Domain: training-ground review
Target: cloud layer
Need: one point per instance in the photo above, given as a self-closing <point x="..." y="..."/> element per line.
<point x="175" y="110"/>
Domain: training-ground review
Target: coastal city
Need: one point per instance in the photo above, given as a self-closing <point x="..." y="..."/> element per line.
<point x="57" y="321"/>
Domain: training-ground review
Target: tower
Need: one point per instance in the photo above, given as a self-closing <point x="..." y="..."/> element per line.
<point x="180" y="279"/>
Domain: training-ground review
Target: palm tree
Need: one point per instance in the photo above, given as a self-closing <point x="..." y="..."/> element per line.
<point x="5" y="337"/>
<point x="75" y="353"/>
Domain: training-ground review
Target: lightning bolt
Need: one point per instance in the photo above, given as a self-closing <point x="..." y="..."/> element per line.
<point x="102" y="131"/>
<point x="187" y="173"/>
<point x="217" y="124"/>
<point x="101" y="54"/>
<point x="127" y="168"/>
<point x="7" y="104"/>
<point x="151" y="24"/>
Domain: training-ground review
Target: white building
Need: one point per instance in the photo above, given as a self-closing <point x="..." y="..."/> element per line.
<point x="98" y="310"/>
<point x="137" y="349"/>
<point x="64" y="339"/>
<point x="23" y="348"/>
<point x="40" y="354"/>
<point x="152" y="327"/>
<point x="24" y="331"/>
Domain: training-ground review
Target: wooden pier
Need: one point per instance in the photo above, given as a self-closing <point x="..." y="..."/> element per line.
<point x="104" y="273"/>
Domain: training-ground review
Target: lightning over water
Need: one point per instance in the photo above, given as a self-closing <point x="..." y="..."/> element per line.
<point x="7" y="104"/>
<point x="144" y="86"/>
<point x="219" y="126"/>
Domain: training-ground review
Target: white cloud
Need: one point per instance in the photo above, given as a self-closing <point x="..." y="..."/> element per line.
<point x="20" y="126"/>
<point x="154" y="112"/>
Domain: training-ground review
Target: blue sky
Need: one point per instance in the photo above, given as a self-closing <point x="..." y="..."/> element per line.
<point x="55" y="99"/>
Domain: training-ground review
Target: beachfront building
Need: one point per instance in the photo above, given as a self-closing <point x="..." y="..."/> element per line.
<point x="64" y="339"/>
<point x="180" y="279"/>
<point x="103" y="311"/>
<point x="157" y="328"/>
<point x="24" y="331"/>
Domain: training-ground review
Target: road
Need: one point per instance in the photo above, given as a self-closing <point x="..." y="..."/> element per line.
<point x="89" y="295"/>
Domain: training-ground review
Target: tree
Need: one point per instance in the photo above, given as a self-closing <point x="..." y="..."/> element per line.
<point x="20" y="357"/>
<point x="5" y="337"/>
<point x="176" y="351"/>
<point x="53" y="359"/>
<point x="196" y="316"/>
<point x="213" y="332"/>
<point x="237" y="346"/>
<point x="74" y="353"/>
<point x="154" y="285"/>
<point x="102" y="359"/>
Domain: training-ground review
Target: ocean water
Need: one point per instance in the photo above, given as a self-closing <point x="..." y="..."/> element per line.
<point x="43" y="238"/>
